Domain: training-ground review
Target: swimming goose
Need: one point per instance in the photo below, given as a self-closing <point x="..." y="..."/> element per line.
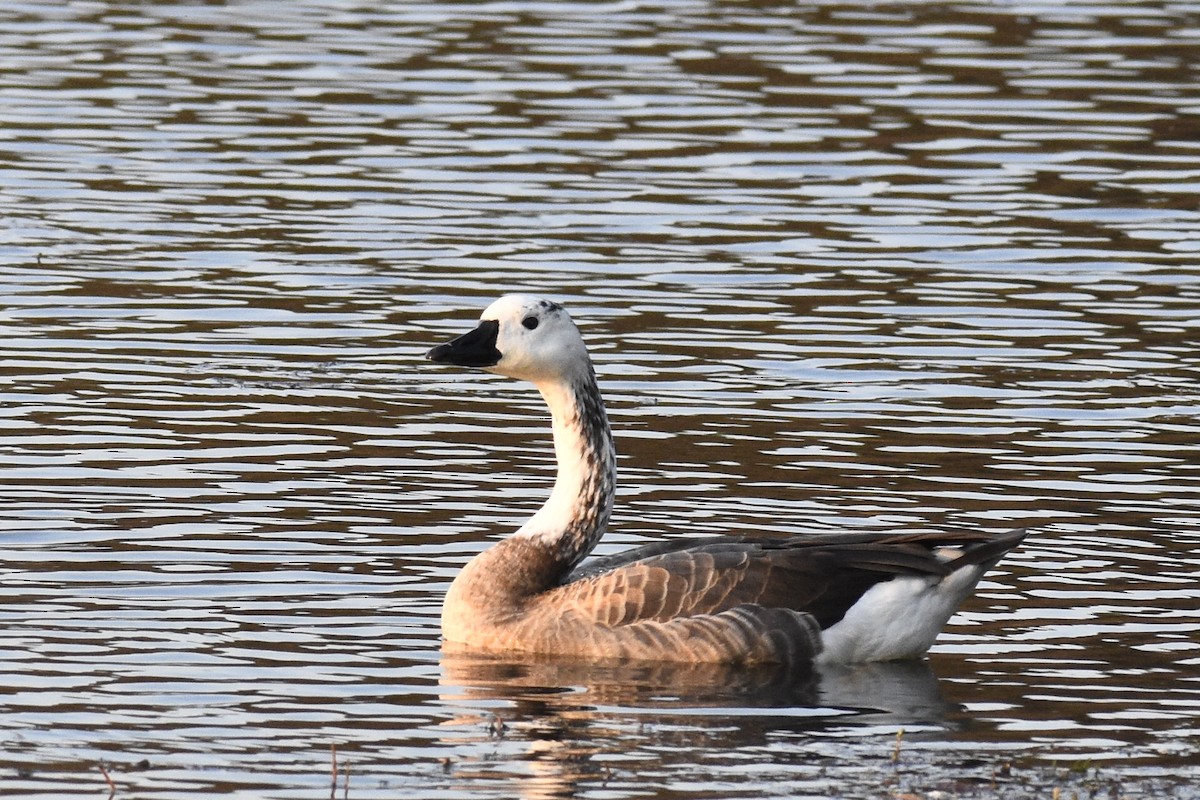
<point x="727" y="599"/>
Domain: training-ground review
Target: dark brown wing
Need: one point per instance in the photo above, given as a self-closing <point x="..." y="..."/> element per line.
<point x="820" y="575"/>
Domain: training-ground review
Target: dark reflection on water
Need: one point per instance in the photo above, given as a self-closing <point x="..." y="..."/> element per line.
<point x="904" y="693"/>
<point x="841" y="266"/>
<point x="578" y="722"/>
<point x="676" y="686"/>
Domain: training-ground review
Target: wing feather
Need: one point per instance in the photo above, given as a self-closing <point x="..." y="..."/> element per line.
<point x="821" y="575"/>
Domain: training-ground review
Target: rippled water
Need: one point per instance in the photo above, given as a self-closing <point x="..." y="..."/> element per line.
<point x="841" y="266"/>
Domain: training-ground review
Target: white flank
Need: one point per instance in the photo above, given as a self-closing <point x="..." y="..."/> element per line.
<point x="899" y="618"/>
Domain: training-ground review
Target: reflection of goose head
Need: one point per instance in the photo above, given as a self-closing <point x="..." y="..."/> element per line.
<point x="730" y="599"/>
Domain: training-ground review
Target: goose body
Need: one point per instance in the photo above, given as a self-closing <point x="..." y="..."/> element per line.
<point x="732" y="599"/>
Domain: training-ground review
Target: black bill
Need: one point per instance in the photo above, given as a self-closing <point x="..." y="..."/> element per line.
<point x="474" y="349"/>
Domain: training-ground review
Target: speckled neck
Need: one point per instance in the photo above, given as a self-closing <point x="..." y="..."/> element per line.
<point x="575" y="516"/>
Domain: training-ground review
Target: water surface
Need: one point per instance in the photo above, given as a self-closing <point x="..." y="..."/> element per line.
<point x="841" y="267"/>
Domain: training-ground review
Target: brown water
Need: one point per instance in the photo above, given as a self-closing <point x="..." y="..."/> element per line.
<point x="842" y="266"/>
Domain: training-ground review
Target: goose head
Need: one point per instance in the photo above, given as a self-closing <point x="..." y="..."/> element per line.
<point x="522" y="337"/>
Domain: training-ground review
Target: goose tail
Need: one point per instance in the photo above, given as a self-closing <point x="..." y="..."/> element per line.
<point x="900" y="618"/>
<point x="988" y="552"/>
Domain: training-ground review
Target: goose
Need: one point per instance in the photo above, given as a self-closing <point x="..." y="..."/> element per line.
<point x="733" y="599"/>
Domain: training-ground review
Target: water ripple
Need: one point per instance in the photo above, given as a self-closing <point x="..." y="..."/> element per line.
<point x="841" y="267"/>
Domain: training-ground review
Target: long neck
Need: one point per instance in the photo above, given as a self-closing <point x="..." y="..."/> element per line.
<point x="574" y="518"/>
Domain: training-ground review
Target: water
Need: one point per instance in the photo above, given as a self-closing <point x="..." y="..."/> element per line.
<point x="842" y="266"/>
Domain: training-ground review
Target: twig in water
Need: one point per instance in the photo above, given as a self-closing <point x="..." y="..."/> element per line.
<point x="896" y="749"/>
<point x="112" y="786"/>
<point x="333" y="770"/>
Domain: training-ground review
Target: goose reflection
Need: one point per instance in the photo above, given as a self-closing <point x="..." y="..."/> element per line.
<point x="562" y="719"/>
<point x="906" y="691"/>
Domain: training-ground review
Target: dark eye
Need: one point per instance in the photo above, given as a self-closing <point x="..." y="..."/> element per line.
<point x="530" y="322"/>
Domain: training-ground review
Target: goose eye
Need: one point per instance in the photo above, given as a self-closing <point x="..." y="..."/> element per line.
<point x="530" y="322"/>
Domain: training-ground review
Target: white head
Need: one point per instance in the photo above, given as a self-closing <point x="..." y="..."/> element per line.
<point x="520" y="336"/>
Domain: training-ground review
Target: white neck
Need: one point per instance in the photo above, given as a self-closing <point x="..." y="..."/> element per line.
<point x="575" y="516"/>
